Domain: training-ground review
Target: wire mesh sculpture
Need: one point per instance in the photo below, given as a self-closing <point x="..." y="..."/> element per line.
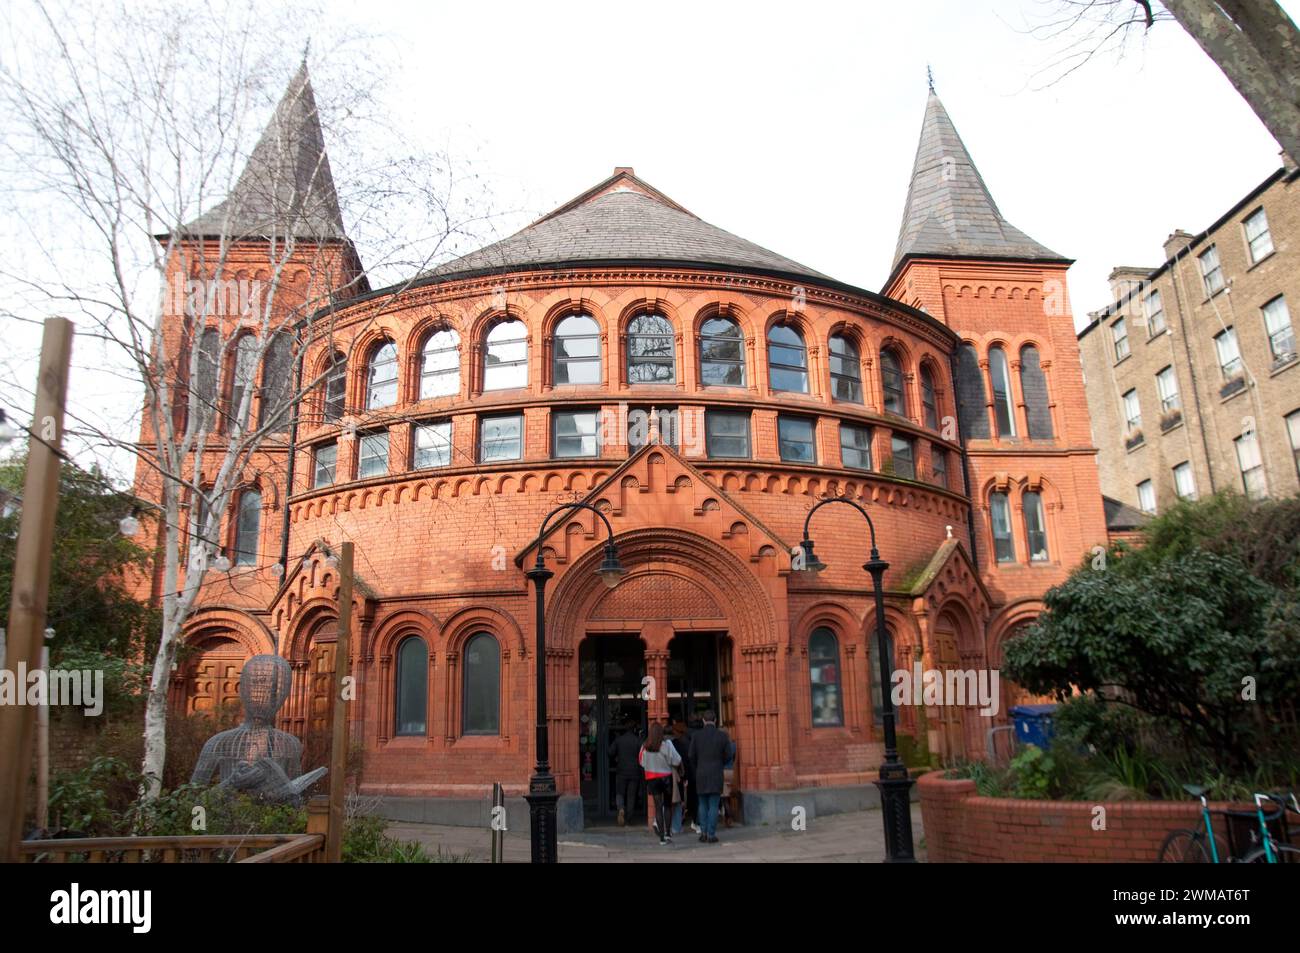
<point x="257" y="758"/>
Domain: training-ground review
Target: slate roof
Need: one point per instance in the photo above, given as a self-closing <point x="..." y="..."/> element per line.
<point x="950" y="212"/>
<point x="622" y="219"/>
<point x="286" y="187"/>
<point x="1121" y="516"/>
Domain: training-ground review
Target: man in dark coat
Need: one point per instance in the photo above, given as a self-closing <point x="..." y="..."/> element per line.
<point x="709" y="750"/>
<point x="623" y="751"/>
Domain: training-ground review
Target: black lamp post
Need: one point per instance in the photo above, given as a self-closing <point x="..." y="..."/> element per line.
<point x="542" y="794"/>
<point x="894" y="784"/>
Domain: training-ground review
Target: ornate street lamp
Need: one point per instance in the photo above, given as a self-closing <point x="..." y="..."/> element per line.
<point x="894" y="783"/>
<point x="542" y="794"/>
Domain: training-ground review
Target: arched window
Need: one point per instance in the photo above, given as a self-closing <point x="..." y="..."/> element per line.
<point x="577" y="350"/>
<point x="440" y="365"/>
<point x="336" y="386"/>
<point x="651" y="350"/>
<point x="787" y="359"/>
<point x="1035" y="528"/>
<point x="277" y="383"/>
<point x="873" y="663"/>
<point x="928" y="400"/>
<point x="412" y="686"/>
<point x="891" y="381"/>
<point x="1002" y="409"/>
<point x="824" y="678"/>
<point x="1033" y="385"/>
<point x="1004" y="549"/>
<point x="482" y="701"/>
<point x="722" y="353"/>
<point x="381" y="383"/>
<point x="205" y="377"/>
<point x="248" y="524"/>
<point x="970" y="394"/>
<point x="244" y="376"/>
<point x="846" y="369"/>
<point x="505" y="363"/>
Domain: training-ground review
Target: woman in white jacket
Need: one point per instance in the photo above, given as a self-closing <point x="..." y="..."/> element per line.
<point x="658" y="758"/>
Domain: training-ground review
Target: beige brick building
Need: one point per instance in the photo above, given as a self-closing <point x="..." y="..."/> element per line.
<point x="1191" y="373"/>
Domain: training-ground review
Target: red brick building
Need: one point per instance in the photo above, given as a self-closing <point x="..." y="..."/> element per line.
<point x="703" y="392"/>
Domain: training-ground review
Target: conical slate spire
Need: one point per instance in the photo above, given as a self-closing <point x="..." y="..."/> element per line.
<point x="286" y="188"/>
<point x="949" y="211"/>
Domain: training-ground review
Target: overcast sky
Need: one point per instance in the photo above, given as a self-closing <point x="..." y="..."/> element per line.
<point x="795" y="125"/>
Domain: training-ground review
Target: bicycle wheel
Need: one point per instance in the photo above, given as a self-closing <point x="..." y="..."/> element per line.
<point x="1285" y="854"/>
<point x="1184" y="846"/>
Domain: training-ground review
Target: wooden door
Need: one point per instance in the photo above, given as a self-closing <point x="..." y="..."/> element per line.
<point x="320" y="712"/>
<point x="952" y="745"/>
<point x="214" y="679"/>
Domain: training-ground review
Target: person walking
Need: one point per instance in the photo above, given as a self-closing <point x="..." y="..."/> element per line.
<point x="658" y="758"/>
<point x="708" y="753"/>
<point x="624" y="751"/>
<point x="681" y="776"/>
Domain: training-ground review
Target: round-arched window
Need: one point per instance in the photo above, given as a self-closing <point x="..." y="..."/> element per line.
<point x="651" y="350"/>
<point x="722" y="353"/>
<point x="482" y="699"/>
<point x="846" y="369"/>
<point x="577" y="350"/>
<point x="381" y="379"/>
<point x="824" y="679"/>
<point x="891" y="382"/>
<point x="412" y="688"/>
<point x="787" y="359"/>
<point x="505" y="361"/>
<point x="440" y="365"/>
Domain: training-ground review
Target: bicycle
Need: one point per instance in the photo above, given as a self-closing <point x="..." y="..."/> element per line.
<point x="1270" y="851"/>
<point x="1187" y="846"/>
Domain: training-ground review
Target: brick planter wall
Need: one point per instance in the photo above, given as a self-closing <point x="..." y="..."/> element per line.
<point x="961" y="826"/>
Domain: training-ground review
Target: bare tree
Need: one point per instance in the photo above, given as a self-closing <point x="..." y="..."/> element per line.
<point x="1254" y="42"/>
<point x="212" y="256"/>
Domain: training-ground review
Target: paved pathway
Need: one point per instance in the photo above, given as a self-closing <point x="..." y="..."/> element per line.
<point x="839" y="838"/>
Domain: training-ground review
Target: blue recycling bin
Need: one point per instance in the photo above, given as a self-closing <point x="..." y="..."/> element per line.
<point x="1034" y="724"/>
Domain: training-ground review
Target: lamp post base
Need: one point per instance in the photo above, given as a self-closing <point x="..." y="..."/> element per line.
<point x="896" y="812"/>
<point x="542" y="798"/>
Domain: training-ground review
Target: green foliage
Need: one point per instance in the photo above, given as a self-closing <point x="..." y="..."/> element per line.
<point x="365" y="841"/>
<point x="90" y="606"/>
<point x="1178" y="627"/>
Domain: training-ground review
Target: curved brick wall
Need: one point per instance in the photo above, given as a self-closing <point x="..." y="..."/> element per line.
<point x="961" y="826"/>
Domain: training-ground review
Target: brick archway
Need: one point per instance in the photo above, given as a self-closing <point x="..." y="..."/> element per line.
<point x="702" y="577"/>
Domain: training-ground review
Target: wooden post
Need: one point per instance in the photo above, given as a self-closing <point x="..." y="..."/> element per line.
<point x="43" y="748"/>
<point x="339" y="729"/>
<point x="31" y="580"/>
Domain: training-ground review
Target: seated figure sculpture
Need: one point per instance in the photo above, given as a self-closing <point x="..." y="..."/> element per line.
<point x="257" y="758"/>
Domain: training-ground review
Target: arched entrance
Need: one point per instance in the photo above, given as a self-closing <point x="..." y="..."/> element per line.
<point x="690" y="613"/>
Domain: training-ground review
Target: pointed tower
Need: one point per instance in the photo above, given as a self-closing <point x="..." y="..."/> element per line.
<point x="1035" y="495"/>
<point x="239" y="278"/>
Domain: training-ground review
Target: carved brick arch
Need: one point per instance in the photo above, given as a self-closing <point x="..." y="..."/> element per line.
<point x="229" y="623"/>
<point x="846" y="625"/>
<point x="385" y="634"/>
<point x="1000" y="629"/>
<point x="749" y="611"/>
<point x="1006" y="622"/>
<point x="310" y="618"/>
<point x="957" y="610"/>
<point x="641" y="303"/>
<point x="220" y="641"/>
<point x="364" y="347"/>
<point x="459" y="626"/>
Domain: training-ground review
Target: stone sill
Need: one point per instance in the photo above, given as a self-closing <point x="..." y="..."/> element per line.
<point x="1284" y="367"/>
